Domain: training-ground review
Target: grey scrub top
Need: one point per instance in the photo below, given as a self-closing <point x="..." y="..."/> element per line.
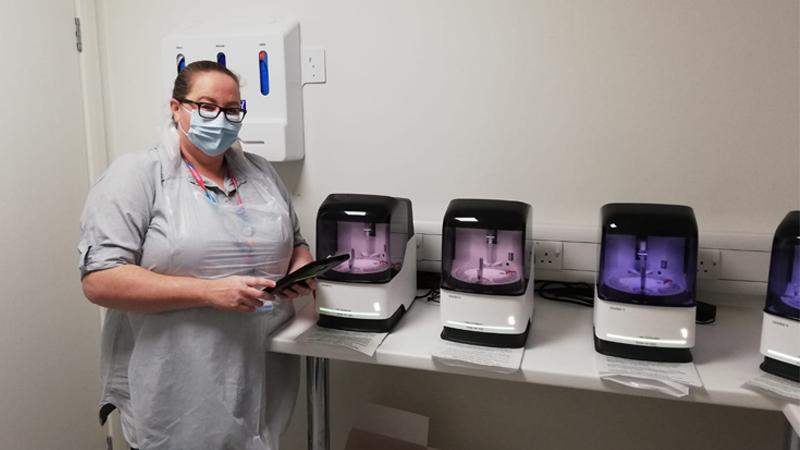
<point x="195" y="378"/>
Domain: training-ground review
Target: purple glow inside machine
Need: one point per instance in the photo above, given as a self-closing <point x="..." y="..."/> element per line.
<point x="652" y="266"/>
<point x="791" y="294"/>
<point x="648" y="254"/>
<point x="373" y="229"/>
<point x="488" y="257"/>
<point x="367" y="244"/>
<point x="783" y="292"/>
<point x="484" y="248"/>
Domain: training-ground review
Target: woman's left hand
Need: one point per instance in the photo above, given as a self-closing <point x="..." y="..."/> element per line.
<point x="300" y="257"/>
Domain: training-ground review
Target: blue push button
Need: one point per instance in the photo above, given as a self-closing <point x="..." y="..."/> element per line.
<point x="181" y="60"/>
<point x="264" y="72"/>
<point x="221" y="59"/>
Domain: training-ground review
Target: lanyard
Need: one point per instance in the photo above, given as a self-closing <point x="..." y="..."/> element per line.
<point x="240" y="212"/>
<point x="209" y="196"/>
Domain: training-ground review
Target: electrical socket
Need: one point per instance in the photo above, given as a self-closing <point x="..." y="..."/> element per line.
<point x="313" y="65"/>
<point x="548" y="254"/>
<point x="709" y="264"/>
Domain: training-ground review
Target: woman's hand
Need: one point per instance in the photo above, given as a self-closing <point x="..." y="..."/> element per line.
<point x="237" y="293"/>
<point x="300" y="257"/>
<point x="299" y="289"/>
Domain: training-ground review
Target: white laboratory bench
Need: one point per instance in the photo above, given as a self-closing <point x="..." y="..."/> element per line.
<point x="560" y="352"/>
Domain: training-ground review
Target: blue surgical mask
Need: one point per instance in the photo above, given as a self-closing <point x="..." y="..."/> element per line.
<point x="212" y="136"/>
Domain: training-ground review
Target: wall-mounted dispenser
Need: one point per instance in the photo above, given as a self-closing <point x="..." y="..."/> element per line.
<point x="269" y="66"/>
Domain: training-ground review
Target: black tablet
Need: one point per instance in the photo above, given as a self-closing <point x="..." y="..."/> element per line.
<point x="310" y="270"/>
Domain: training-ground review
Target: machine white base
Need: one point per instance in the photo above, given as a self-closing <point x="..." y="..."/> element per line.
<point x="368" y="306"/>
<point x="780" y="345"/>
<point x="492" y="320"/>
<point x="655" y="333"/>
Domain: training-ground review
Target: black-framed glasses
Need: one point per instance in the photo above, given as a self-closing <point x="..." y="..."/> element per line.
<point x="211" y="111"/>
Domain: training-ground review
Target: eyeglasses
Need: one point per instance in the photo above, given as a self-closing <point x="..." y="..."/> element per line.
<point x="211" y="111"/>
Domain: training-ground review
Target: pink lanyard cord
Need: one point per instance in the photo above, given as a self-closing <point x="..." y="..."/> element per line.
<point x="210" y="197"/>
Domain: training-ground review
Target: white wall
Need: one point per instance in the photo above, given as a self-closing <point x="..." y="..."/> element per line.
<point x="564" y="104"/>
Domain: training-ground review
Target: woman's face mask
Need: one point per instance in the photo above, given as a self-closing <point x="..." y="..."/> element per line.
<point x="212" y="136"/>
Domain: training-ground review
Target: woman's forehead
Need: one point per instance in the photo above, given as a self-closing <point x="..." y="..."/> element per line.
<point x="215" y="86"/>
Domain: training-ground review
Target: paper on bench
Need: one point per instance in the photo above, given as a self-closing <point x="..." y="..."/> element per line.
<point x="499" y="360"/>
<point x="674" y="379"/>
<point x="362" y="342"/>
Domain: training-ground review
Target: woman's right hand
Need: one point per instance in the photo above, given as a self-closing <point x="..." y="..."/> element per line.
<point x="237" y="293"/>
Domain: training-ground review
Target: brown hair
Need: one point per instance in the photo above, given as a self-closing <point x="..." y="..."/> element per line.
<point x="183" y="82"/>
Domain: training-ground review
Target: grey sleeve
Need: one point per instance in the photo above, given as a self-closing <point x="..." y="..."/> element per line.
<point x="116" y="215"/>
<point x="299" y="240"/>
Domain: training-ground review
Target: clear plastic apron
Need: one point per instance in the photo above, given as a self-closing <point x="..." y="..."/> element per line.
<point x="202" y="378"/>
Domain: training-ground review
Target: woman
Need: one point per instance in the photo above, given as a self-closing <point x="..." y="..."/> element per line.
<point x="178" y="242"/>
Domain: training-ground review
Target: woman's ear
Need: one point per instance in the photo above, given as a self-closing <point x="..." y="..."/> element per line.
<point x="175" y="108"/>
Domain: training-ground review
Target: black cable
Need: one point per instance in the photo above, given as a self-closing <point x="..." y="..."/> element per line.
<point x="431" y="296"/>
<point x="430" y="291"/>
<point x="578" y="293"/>
<point x="705" y="314"/>
<point x="583" y="294"/>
